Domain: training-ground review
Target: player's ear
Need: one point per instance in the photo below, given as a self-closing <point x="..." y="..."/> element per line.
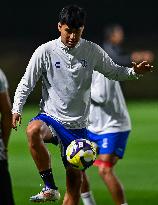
<point x="59" y="26"/>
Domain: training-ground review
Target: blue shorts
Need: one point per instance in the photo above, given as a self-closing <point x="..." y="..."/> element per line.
<point x="65" y="136"/>
<point x="110" y="143"/>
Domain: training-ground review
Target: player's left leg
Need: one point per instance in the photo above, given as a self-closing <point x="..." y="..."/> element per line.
<point x="73" y="186"/>
<point x="86" y="193"/>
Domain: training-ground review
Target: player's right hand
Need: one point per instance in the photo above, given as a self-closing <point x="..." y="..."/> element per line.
<point x="16" y="120"/>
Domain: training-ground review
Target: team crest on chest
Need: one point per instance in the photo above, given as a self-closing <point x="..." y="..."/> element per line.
<point x="84" y="63"/>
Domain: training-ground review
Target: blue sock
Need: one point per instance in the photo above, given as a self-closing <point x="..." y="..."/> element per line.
<point x="48" y="179"/>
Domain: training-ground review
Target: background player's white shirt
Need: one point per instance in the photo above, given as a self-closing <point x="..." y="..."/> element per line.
<point x="108" y="111"/>
<point x="3" y="88"/>
<point x="3" y="82"/>
<point x="66" y="76"/>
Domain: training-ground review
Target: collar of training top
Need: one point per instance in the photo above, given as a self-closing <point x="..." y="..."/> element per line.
<point x="64" y="47"/>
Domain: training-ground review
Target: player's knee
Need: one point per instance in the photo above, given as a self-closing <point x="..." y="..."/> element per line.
<point x="33" y="133"/>
<point x="105" y="169"/>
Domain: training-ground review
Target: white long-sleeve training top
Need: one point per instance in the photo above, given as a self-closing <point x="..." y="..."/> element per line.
<point x="66" y="79"/>
<point x="108" y="111"/>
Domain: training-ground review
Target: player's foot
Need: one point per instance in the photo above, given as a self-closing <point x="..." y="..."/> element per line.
<point x="46" y="195"/>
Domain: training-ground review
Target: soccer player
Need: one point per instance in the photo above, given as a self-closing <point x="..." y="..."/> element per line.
<point x="6" y="195"/>
<point x="109" y="127"/>
<point x="66" y="65"/>
<point x="113" y="37"/>
<point x="109" y="119"/>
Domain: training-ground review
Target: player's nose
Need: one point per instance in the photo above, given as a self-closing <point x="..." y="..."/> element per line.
<point x="72" y="36"/>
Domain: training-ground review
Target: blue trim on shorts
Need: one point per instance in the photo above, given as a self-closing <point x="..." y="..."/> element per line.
<point x="66" y="136"/>
<point x="110" y="143"/>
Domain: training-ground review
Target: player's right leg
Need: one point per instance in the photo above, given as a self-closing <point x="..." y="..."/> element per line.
<point x="37" y="131"/>
<point x="6" y="194"/>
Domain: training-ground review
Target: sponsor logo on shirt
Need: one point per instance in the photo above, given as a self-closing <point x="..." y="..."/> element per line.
<point x="57" y="64"/>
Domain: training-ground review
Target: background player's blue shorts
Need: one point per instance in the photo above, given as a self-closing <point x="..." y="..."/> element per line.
<point x="110" y="143"/>
<point x="65" y="136"/>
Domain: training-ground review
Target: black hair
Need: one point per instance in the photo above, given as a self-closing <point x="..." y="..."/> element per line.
<point x="108" y="30"/>
<point x="73" y="16"/>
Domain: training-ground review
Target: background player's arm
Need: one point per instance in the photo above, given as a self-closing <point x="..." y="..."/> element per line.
<point x="6" y="116"/>
<point x="109" y="69"/>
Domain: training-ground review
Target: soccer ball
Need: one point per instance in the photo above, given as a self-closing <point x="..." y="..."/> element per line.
<point x="81" y="153"/>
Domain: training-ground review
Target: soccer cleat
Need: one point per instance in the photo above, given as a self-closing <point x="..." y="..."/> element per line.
<point x="46" y="195"/>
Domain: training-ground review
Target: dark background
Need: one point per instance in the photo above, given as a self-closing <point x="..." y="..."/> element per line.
<point x="24" y="25"/>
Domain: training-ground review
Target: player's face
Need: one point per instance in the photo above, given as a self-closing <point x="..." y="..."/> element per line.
<point x="70" y="36"/>
<point x="117" y="36"/>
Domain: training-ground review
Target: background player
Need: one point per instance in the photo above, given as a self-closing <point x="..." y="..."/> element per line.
<point x="109" y="128"/>
<point x="109" y="119"/>
<point x="113" y="38"/>
<point x="6" y="195"/>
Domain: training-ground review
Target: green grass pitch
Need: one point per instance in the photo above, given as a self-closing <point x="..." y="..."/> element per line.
<point x="138" y="170"/>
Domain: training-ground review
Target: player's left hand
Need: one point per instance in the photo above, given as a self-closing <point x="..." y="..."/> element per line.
<point x="142" y="67"/>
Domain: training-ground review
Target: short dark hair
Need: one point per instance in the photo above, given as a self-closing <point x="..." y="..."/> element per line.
<point x="73" y="16"/>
